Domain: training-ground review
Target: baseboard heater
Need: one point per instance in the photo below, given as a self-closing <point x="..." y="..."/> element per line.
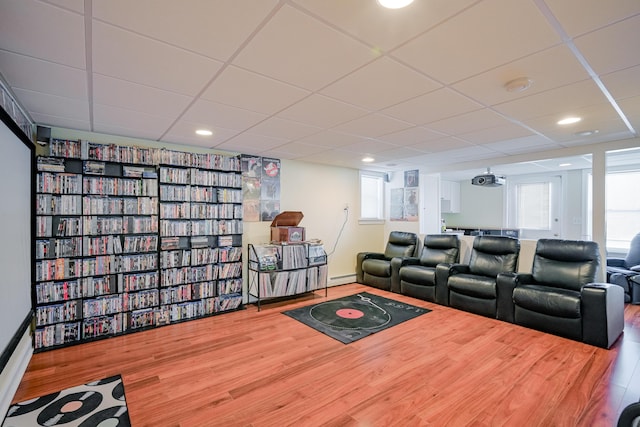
<point x="341" y="280"/>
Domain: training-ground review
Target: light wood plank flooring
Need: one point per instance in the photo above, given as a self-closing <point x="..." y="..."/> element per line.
<point x="445" y="368"/>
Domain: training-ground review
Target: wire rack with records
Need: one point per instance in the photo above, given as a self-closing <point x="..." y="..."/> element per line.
<point x="280" y="270"/>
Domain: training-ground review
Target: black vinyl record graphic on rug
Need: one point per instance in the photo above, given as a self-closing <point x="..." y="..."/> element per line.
<point x="350" y="318"/>
<point x="350" y="314"/>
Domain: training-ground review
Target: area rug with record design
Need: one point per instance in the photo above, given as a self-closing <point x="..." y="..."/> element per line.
<point x="356" y="316"/>
<point x="99" y="403"/>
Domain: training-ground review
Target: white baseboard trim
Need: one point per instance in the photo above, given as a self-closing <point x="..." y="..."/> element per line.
<point x="12" y="373"/>
<point x="341" y="280"/>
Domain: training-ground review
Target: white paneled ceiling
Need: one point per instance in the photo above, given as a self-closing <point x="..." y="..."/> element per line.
<point x="331" y="81"/>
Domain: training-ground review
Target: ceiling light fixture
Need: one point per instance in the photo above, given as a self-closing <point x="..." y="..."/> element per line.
<point x="394" y="4"/>
<point x="518" y="85"/>
<point x="204" y="132"/>
<point x="569" y="120"/>
<point x="368" y="159"/>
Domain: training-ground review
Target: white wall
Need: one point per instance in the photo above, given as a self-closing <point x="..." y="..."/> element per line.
<point x="480" y="207"/>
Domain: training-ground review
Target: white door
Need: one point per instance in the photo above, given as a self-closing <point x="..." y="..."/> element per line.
<point x="535" y="206"/>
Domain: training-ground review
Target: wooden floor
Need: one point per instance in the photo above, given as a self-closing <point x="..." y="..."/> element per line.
<point x="445" y="368"/>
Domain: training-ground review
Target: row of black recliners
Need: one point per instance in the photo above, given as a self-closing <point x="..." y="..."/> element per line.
<point x="559" y="296"/>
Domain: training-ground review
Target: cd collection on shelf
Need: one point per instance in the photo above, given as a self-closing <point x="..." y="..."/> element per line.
<point x="131" y="237"/>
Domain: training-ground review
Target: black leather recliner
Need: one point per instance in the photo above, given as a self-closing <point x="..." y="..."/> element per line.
<point x="418" y="275"/>
<point x="474" y="287"/>
<point x="559" y="296"/>
<point x="621" y="270"/>
<point x="375" y="269"/>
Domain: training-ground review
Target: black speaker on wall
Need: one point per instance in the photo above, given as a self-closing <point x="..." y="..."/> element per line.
<point x="43" y="135"/>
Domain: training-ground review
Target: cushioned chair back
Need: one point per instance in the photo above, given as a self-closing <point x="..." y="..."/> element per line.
<point x="401" y="244"/>
<point x="492" y="255"/>
<point x="567" y="264"/>
<point x="633" y="257"/>
<point x="440" y="248"/>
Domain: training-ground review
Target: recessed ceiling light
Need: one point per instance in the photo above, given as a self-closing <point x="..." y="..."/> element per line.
<point x="564" y="165"/>
<point x="368" y="159"/>
<point x="204" y="132"/>
<point x="518" y="85"/>
<point x="394" y="4"/>
<point x="569" y="120"/>
<point x="587" y="132"/>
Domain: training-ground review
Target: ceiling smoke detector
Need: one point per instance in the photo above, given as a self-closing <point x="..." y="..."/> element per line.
<point x="518" y="85"/>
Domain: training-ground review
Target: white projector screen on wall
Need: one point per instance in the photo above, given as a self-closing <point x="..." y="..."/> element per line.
<point x="15" y="234"/>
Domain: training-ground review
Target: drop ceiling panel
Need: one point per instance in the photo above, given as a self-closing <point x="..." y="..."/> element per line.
<point x="468" y="122"/>
<point x="499" y="133"/>
<point x="623" y="84"/>
<point x="330" y="139"/>
<point x="372" y="125"/>
<point x="383" y="29"/>
<point x="490" y="33"/>
<point x="299" y="49"/>
<point x="442" y="144"/>
<point x="53" y="105"/>
<point x="411" y="136"/>
<point x="604" y="52"/>
<point x="43" y="31"/>
<point x="211" y="28"/>
<point x="250" y="143"/>
<point x="131" y="123"/>
<point x="72" y="5"/>
<point x="367" y="146"/>
<point x="224" y="116"/>
<point x="398" y="153"/>
<point x="600" y="117"/>
<point x="318" y="110"/>
<point x="372" y="87"/>
<point x="128" y="56"/>
<point x="287" y="129"/>
<point x="440" y="104"/>
<point x="581" y="16"/>
<point x="63" y="122"/>
<point x="296" y="149"/>
<point x="43" y="76"/>
<point x="132" y="96"/>
<point x="560" y="102"/>
<point x="549" y="69"/>
<point x="526" y="144"/>
<point x="183" y="132"/>
<point x="251" y="91"/>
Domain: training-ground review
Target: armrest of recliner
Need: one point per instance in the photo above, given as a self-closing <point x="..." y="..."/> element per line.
<point x="602" y="313"/>
<point x="443" y="271"/>
<point x="360" y="257"/>
<point x="615" y="262"/>
<point x="506" y="283"/>
<point x="396" y="264"/>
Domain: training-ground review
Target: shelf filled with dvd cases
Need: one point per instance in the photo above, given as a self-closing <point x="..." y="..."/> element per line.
<point x="100" y="270"/>
<point x="278" y="270"/>
<point x="120" y="247"/>
<point x="58" y="251"/>
<point x="201" y="236"/>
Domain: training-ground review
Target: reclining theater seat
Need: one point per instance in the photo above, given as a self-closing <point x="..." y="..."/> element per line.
<point x="418" y="275"/>
<point x="559" y="297"/>
<point x="375" y="269"/>
<point x="474" y="287"/>
<point x="621" y="270"/>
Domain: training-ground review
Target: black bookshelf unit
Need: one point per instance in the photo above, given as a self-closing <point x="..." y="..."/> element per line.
<point x="129" y="238"/>
<point x="282" y="270"/>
